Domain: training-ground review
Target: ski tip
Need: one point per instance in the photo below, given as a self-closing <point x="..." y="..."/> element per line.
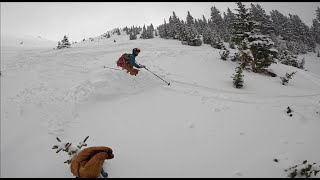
<point x="168" y="84"/>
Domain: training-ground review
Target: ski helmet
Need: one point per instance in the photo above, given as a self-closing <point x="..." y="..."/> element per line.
<point x="135" y="50"/>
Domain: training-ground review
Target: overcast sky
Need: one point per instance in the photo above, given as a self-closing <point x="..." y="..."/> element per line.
<point x="78" y="20"/>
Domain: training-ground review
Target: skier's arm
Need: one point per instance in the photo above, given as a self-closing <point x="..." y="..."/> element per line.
<point x="133" y="62"/>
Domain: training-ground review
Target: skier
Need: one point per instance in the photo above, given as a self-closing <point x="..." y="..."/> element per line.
<point x="88" y="162"/>
<point x="127" y="61"/>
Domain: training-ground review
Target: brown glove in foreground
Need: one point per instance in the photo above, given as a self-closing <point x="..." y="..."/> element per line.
<point x="88" y="162"/>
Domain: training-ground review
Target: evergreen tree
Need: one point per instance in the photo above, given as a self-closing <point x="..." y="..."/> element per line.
<point x="225" y="54"/>
<point x="280" y="23"/>
<point x="228" y="20"/>
<point x="232" y="45"/>
<point x="238" y="78"/>
<point x="176" y="26"/>
<point x="301" y="34"/>
<point x="149" y="32"/>
<point x="64" y="43"/>
<point x="132" y="36"/>
<point x="183" y="31"/>
<point x="301" y="64"/>
<point x="188" y="33"/>
<point x="190" y="20"/>
<point x="207" y="35"/>
<point x="203" y="25"/>
<point x="318" y="14"/>
<point x="241" y="25"/>
<point x="144" y="32"/>
<point x="287" y="58"/>
<point x="217" y="43"/>
<point x="264" y="22"/>
<point x="287" y="77"/>
<point x="217" y="22"/>
<point x="246" y="56"/>
<point x="315" y="30"/>
<point x="59" y="45"/>
<point x="163" y="30"/>
<point x="235" y="57"/>
<point x="262" y="49"/>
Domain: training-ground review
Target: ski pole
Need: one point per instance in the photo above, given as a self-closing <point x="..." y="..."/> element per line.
<point x="157" y="76"/>
<point x="111" y="68"/>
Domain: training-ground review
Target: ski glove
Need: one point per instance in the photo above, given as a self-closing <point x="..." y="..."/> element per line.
<point x="88" y="162"/>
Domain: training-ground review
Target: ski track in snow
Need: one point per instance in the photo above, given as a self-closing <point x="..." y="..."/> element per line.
<point x="56" y="104"/>
<point x="86" y="82"/>
<point x="106" y="84"/>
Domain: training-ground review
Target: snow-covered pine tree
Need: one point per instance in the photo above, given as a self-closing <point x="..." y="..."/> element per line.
<point x="318" y="13"/>
<point x="301" y="64"/>
<point x="217" y="24"/>
<point x="315" y="29"/>
<point x="301" y="34"/>
<point x="228" y="23"/>
<point x="149" y="32"/>
<point x="197" y="25"/>
<point x="183" y="32"/>
<point x="217" y="43"/>
<point x="203" y="25"/>
<point x="144" y="32"/>
<point x="287" y="58"/>
<point x="189" y="20"/>
<point x="246" y="56"/>
<point x="163" y="30"/>
<point x="242" y="28"/>
<point x="64" y="43"/>
<point x="262" y="49"/>
<point x="264" y="22"/>
<point x="207" y="35"/>
<point x="281" y="24"/>
<point x="191" y="35"/>
<point x="287" y="77"/>
<point x="174" y="24"/>
<point x="126" y="29"/>
<point x="241" y="24"/>
<point x="232" y="45"/>
<point x="59" y="45"/>
<point x="132" y="36"/>
<point x="225" y="54"/>
<point x="235" y="57"/>
<point x="238" y="77"/>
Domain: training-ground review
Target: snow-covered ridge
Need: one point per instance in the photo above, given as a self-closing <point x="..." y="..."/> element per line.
<point x="26" y="41"/>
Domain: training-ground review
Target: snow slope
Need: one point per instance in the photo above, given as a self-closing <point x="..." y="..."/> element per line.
<point x="200" y="126"/>
<point x="26" y="42"/>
